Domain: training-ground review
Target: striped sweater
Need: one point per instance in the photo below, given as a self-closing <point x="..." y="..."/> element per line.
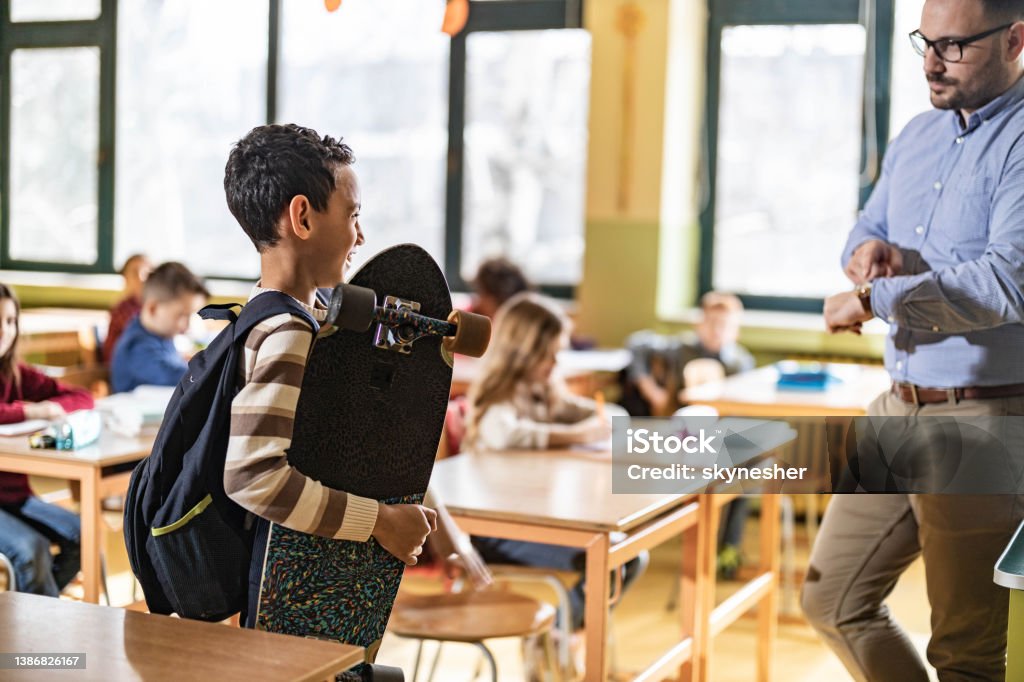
<point x="257" y="475"/>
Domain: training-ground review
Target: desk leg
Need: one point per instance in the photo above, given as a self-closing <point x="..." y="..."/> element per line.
<point x="596" y="608"/>
<point x="707" y="554"/>
<point x="92" y="537"/>
<point x="768" y="608"/>
<point x="688" y="599"/>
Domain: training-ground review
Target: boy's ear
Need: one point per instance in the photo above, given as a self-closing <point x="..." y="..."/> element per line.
<point x="299" y="210"/>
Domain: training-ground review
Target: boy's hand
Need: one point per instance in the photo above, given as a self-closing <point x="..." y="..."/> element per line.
<point x="402" y="529"/>
<point x="468" y="562"/>
<point x="44" y="410"/>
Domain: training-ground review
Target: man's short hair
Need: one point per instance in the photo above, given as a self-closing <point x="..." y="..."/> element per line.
<point x="717" y="301"/>
<point x="170" y="281"/>
<point x="1004" y="10"/>
<point x="271" y="165"/>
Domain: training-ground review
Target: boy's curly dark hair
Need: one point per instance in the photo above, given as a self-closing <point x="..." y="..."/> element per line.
<point x="274" y="163"/>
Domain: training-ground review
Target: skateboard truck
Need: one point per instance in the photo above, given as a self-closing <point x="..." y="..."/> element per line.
<point x="400" y="324"/>
<point x="399" y="337"/>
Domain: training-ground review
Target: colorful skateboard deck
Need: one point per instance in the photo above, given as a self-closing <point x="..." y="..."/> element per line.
<point x="368" y="421"/>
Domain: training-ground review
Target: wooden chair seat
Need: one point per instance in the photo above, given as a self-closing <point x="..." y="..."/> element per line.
<point x="469" y="616"/>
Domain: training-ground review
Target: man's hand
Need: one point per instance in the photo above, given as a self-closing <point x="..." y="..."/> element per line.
<point x="402" y="529"/>
<point x="845" y="313"/>
<point x="874" y="259"/>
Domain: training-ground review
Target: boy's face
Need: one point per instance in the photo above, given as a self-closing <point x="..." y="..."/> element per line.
<point x="8" y="325"/>
<point x="170" y="318"/>
<point x="718" y="329"/>
<point x="336" y="230"/>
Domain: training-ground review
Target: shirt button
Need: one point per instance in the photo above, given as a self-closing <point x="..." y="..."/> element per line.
<point x="937" y="185"/>
<point x="899" y="364"/>
<point x="891" y="318"/>
<point x="959" y="140"/>
<point x="919" y="229"/>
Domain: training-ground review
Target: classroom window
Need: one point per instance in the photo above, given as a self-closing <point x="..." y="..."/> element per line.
<point x="376" y="73"/>
<point x="180" y="82"/>
<point x="53" y="154"/>
<point x="54" y="10"/>
<point x="527" y="97"/>
<point x="797" y="120"/>
<point x="191" y="81"/>
<point x="788" y="156"/>
<point x="909" y="87"/>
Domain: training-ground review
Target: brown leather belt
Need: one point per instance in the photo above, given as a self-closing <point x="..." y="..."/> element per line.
<point x="919" y="395"/>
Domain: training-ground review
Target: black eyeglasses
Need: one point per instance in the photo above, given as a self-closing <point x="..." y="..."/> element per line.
<point x="949" y="49"/>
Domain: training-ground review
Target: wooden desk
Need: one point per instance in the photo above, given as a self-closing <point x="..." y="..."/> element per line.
<point x="125" y="645"/>
<point x="565" y="498"/>
<point x="753" y="394"/>
<point x="90" y="466"/>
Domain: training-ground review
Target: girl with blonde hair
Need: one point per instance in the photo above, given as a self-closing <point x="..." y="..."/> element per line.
<point x="517" y="401"/>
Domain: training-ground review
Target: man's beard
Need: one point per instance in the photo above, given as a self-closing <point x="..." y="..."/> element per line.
<point x="971" y="99"/>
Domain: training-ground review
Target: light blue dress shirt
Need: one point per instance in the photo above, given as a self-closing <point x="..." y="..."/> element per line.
<point x="951" y="198"/>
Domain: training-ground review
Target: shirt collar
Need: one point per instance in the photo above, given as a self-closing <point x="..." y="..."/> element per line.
<point x="318" y="311"/>
<point x="1011" y="96"/>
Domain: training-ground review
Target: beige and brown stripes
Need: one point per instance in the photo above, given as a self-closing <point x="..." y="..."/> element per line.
<point x="256" y="474"/>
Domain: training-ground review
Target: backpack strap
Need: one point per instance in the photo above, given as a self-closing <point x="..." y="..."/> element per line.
<point x="269" y="304"/>
<point x="220" y="311"/>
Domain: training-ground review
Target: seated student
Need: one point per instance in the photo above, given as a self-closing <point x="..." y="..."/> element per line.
<point x="656" y="374"/>
<point x="145" y="353"/>
<point x="135" y="271"/>
<point x="28" y="526"/>
<point x="496" y="281"/>
<point x="518" y="402"/>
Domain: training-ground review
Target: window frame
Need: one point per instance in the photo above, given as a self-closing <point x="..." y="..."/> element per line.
<point x="484" y="15"/>
<point x="725" y="13"/>
<point x="489" y="16"/>
<point x="101" y="33"/>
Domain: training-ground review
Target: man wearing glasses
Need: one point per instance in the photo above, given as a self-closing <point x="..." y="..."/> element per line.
<point x="938" y="253"/>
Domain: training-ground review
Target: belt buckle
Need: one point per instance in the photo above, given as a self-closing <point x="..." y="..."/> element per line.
<point x="913" y="394"/>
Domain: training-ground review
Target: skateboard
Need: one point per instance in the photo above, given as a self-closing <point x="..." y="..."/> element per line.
<point x="368" y="421"/>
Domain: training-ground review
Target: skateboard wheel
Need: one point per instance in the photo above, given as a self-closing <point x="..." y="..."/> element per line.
<point x="351" y="307"/>
<point x="382" y="673"/>
<point x="472" y="334"/>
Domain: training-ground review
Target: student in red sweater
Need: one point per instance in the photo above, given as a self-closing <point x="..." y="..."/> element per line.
<point x="135" y="272"/>
<point x="28" y="526"/>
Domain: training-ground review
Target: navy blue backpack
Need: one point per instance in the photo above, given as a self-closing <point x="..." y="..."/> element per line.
<point x="188" y="543"/>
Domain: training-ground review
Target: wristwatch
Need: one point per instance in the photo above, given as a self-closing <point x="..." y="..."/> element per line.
<point x="864" y="294"/>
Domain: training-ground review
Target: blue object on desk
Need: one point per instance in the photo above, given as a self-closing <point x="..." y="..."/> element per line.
<point x="804" y="376"/>
<point x="74" y="431"/>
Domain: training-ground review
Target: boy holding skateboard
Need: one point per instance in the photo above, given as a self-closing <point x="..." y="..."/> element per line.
<point x="296" y="197"/>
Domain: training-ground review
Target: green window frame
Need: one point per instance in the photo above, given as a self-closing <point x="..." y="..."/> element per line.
<point x="484" y="15"/>
<point x="724" y="13"/>
<point x="102" y="33"/>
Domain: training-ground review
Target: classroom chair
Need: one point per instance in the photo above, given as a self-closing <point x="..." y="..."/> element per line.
<point x="472" y="617"/>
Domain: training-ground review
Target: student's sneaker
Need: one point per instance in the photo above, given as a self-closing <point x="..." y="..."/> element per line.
<point x="729" y="562"/>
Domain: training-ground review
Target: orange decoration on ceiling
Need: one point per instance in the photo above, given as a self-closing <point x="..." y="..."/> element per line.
<point x="455" y="15"/>
<point x="332" y="5"/>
